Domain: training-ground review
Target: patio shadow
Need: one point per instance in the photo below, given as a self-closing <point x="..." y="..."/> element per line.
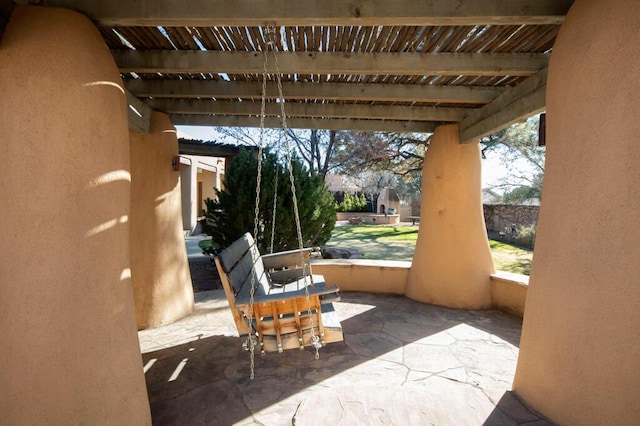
<point x="392" y="346"/>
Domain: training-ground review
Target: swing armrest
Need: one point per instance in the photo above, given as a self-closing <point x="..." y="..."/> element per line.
<point x="274" y="297"/>
<point x="285" y="259"/>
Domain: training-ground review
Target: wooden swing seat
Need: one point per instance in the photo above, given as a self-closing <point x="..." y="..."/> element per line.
<point x="282" y="316"/>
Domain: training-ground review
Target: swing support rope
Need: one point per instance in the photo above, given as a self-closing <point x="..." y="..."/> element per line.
<point x="308" y="278"/>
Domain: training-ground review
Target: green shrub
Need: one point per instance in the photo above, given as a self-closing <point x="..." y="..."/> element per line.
<point x="228" y="218"/>
<point x="352" y="203"/>
<point x="526" y="236"/>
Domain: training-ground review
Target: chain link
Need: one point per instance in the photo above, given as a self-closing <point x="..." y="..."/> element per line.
<point x="251" y="342"/>
<point x="275" y="205"/>
<point x="308" y="278"/>
<point x="307" y="275"/>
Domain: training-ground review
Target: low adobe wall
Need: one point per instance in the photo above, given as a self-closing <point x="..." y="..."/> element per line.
<point x="371" y="276"/>
<point x="508" y="291"/>
<point x="370" y="218"/>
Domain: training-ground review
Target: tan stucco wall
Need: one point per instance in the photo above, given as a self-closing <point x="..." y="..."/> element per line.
<point x="159" y="269"/>
<point x="579" y="357"/>
<point x="509" y="292"/>
<point x="372" y="276"/>
<point x="452" y="261"/>
<point x="70" y="352"/>
<point x="208" y="180"/>
<point x="370" y="218"/>
<point x="188" y="184"/>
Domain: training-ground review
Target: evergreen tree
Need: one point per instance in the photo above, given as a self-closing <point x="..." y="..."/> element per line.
<point x="233" y="214"/>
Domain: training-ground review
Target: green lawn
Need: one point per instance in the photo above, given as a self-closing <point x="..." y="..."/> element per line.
<point x="388" y="242"/>
<point x="507" y="257"/>
<point x="377" y="241"/>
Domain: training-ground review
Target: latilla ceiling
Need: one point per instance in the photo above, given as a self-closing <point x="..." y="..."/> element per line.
<point x="401" y="65"/>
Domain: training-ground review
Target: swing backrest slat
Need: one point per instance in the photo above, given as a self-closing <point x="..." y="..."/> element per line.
<point x="242" y="262"/>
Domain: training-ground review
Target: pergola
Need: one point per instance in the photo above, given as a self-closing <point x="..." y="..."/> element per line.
<point x="93" y="245"/>
<point x="376" y="65"/>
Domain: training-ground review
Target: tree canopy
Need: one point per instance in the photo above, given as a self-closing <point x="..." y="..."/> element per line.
<point x="376" y="159"/>
<point x="517" y="147"/>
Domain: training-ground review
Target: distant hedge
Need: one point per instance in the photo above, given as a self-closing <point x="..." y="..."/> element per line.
<point x="352" y="203"/>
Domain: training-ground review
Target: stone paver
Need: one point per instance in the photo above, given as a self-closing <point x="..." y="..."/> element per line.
<point x="402" y="362"/>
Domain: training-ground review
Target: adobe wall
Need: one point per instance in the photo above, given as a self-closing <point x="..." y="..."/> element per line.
<point x="70" y="352"/>
<point x="208" y="180"/>
<point x="159" y="267"/>
<point x="452" y="262"/>
<point x="509" y="292"/>
<point x="579" y="350"/>
<point x="188" y="180"/>
<point x="371" y="276"/>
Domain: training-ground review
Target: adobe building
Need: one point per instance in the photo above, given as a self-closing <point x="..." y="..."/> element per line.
<point x="92" y="225"/>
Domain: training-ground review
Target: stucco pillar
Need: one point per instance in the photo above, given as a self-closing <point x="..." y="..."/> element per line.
<point x="452" y="262"/>
<point x="580" y="346"/>
<point x="70" y="352"/>
<point x="218" y="181"/>
<point x="159" y="268"/>
<point x="189" y="176"/>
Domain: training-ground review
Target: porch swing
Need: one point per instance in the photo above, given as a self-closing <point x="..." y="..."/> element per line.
<point x="275" y="299"/>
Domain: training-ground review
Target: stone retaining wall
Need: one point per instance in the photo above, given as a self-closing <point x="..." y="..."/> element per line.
<point x="502" y="217"/>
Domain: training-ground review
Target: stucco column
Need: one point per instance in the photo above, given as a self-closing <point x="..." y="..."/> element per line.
<point x="580" y="346"/>
<point x="218" y="181"/>
<point x="159" y="269"/>
<point x="452" y="262"/>
<point x="189" y="194"/>
<point x="70" y="352"/>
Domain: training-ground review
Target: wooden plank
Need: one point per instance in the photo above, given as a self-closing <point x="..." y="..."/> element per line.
<point x="285" y="259"/>
<point x="243" y="299"/>
<point x="332" y="333"/>
<point x="255" y="278"/>
<point x="317" y="285"/>
<point x="6" y="7"/>
<point x="240" y="274"/>
<point x="328" y="91"/>
<point x="238" y="318"/>
<point x="181" y="61"/>
<point x="288" y="275"/>
<point x="206" y="13"/>
<point x="516" y="104"/>
<point x="294" y="109"/>
<point x="232" y="254"/>
<point x="305" y="123"/>
<point x="139" y="114"/>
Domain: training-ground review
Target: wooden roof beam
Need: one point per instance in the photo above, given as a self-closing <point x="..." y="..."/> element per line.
<point x="206" y="13"/>
<point x="304" y="123"/>
<point x="451" y="64"/>
<point x="139" y="113"/>
<point x="514" y="105"/>
<point x="327" y="91"/>
<point x="309" y="110"/>
<point x="6" y="7"/>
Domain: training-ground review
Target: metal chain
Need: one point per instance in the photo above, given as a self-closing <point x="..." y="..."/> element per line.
<point x="251" y="341"/>
<point x="314" y="339"/>
<point x="275" y="204"/>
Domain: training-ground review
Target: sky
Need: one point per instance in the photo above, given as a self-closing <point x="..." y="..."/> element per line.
<point x="493" y="170"/>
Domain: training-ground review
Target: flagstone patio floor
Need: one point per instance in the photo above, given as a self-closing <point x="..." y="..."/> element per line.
<point x="401" y="362"/>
